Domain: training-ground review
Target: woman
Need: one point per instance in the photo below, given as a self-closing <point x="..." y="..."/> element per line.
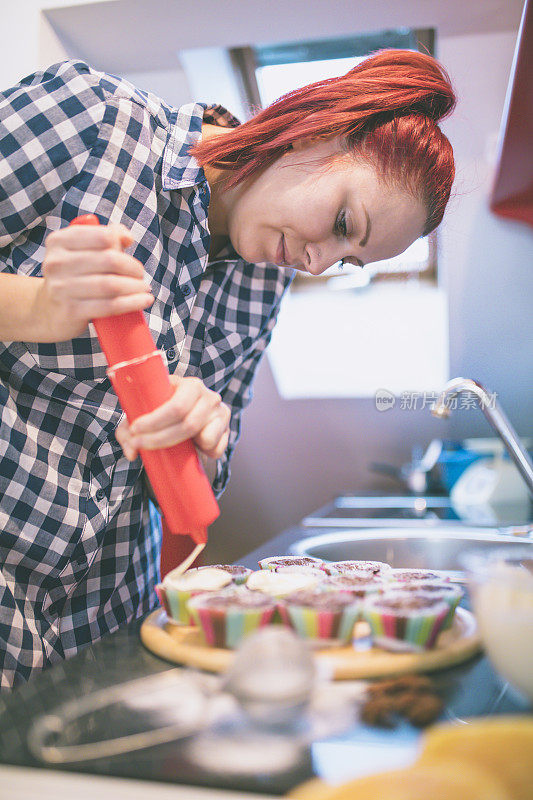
<point x="205" y="221"/>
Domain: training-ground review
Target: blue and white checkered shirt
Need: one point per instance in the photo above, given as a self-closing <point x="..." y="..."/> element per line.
<point x="77" y="554"/>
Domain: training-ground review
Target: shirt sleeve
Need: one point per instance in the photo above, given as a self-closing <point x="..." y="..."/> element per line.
<point x="48" y="125"/>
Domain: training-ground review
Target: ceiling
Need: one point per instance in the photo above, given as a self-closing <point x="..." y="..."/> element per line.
<point x="134" y="35"/>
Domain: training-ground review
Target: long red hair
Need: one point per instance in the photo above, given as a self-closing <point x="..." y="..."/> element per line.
<point x="386" y="110"/>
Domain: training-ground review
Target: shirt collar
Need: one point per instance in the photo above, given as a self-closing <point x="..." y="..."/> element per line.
<point x="180" y="169"/>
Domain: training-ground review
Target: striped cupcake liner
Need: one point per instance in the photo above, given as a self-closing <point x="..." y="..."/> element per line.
<point x="227" y="627"/>
<point x="162" y="597"/>
<point x="451" y="598"/>
<point x="175" y="603"/>
<point x="401" y="632"/>
<point x="452" y="602"/>
<point x="241" y="578"/>
<point x="318" y="625"/>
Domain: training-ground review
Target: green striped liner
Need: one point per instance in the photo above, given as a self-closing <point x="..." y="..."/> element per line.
<point x="177" y="600"/>
<point x="312" y="623"/>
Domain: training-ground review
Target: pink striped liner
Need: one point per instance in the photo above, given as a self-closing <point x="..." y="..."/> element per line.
<point x="206" y="625"/>
<point x="389" y="625"/>
<point x="325" y="620"/>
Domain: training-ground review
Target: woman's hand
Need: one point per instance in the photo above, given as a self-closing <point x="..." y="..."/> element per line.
<point x="86" y="275"/>
<point x="193" y="412"/>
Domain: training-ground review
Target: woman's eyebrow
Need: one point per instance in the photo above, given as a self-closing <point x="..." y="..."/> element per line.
<point x="364" y="240"/>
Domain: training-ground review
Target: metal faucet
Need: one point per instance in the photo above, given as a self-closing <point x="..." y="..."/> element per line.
<point x="495" y="415"/>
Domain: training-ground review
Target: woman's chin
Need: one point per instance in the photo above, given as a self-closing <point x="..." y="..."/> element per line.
<point x="249" y="253"/>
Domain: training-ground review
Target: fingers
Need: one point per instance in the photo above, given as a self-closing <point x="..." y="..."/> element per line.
<point x="188" y="392"/>
<point x="87" y="275"/>
<point x="86" y="284"/>
<point x="90" y="237"/>
<point x="193" y="412"/>
<point x="87" y="262"/>
<point x="96" y="287"/>
<point x="112" y="306"/>
<point x="124" y="438"/>
<point x="211" y="433"/>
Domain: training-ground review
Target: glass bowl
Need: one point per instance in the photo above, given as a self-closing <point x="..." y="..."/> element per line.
<point x="501" y="589"/>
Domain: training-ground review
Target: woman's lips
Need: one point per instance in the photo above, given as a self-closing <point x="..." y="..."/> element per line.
<point x="282" y="254"/>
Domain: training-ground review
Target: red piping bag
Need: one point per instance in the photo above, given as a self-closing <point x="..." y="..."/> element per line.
<point x="141" y="380"/>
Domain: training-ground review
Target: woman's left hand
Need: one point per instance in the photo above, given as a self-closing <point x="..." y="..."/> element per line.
<point x="193" y="412"/>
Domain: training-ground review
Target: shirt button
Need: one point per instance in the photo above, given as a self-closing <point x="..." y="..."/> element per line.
<point x="186" y="291"/>
<point x="100" y="495"/>
<point x="171" y="355"/>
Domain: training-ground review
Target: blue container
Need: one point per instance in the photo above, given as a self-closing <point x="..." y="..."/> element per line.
<point x="452" y="464"/>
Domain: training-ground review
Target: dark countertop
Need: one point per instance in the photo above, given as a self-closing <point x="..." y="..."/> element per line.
<point x="472" y="689"/>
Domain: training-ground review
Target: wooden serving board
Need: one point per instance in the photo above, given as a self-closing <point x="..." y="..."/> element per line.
<point x="182" y="644"/>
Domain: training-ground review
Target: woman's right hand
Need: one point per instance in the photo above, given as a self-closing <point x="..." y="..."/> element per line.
<point x="87" y="275"/>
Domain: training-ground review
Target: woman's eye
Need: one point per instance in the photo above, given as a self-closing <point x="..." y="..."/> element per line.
<point x="340" y="224"/>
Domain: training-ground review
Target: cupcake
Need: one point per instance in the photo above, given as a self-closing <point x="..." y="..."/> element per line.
<point x="363" y="567"/>
<point x="404" y="621"/>
<point x="301" y="569"/>
<point x="451" y="593"/>
<point x="410" y="575"/>
<point x="278" y="584"/>
<point x="358" y="584"/>
<point x="177" y="589"/>
<point x="275" y="562"/>
<point x="325" y="617"/>
<point x="238" y="573"/>
<point x="228" y="616"/>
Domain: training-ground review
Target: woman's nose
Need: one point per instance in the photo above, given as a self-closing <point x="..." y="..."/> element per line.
<point x="321" y="257"/>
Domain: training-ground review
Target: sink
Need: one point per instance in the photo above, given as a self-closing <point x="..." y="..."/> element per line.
<point x="351" y="511"/>
<point x="437" y="548"/>
<point x="397" y="510"/>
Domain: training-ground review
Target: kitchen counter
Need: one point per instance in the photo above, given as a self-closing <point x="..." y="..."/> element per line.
<point x="472" y="689"/>
<point x="27" y="784"/>
<point x="115" y="659"/>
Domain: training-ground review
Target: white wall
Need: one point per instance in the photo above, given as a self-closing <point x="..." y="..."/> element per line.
<point x="295" y="455"/>
<point x="28" y="41"/>
<point x="201" y="64"/>
<point x="487" y="261"/>
<point x="172" y="84"/>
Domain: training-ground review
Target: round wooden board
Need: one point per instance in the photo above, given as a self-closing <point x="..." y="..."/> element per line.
<point x="185" y="645"/>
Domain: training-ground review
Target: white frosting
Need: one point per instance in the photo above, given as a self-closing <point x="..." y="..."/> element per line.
<point x="300" y="569"/>
<point x="279" y="584"/>
<point x="207" y="578"/>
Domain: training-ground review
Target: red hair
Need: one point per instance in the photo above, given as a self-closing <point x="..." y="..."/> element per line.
<point x="386" y="109"/>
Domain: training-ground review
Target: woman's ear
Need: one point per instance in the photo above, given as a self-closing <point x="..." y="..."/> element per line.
<point x="301" y="144"/>
<point x="298" y="145"/>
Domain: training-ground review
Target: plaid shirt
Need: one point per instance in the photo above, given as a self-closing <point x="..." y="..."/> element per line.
<point x="78" y="556"/>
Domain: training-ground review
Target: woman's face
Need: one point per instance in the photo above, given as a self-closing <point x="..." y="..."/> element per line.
<point x="307" y="214"/>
